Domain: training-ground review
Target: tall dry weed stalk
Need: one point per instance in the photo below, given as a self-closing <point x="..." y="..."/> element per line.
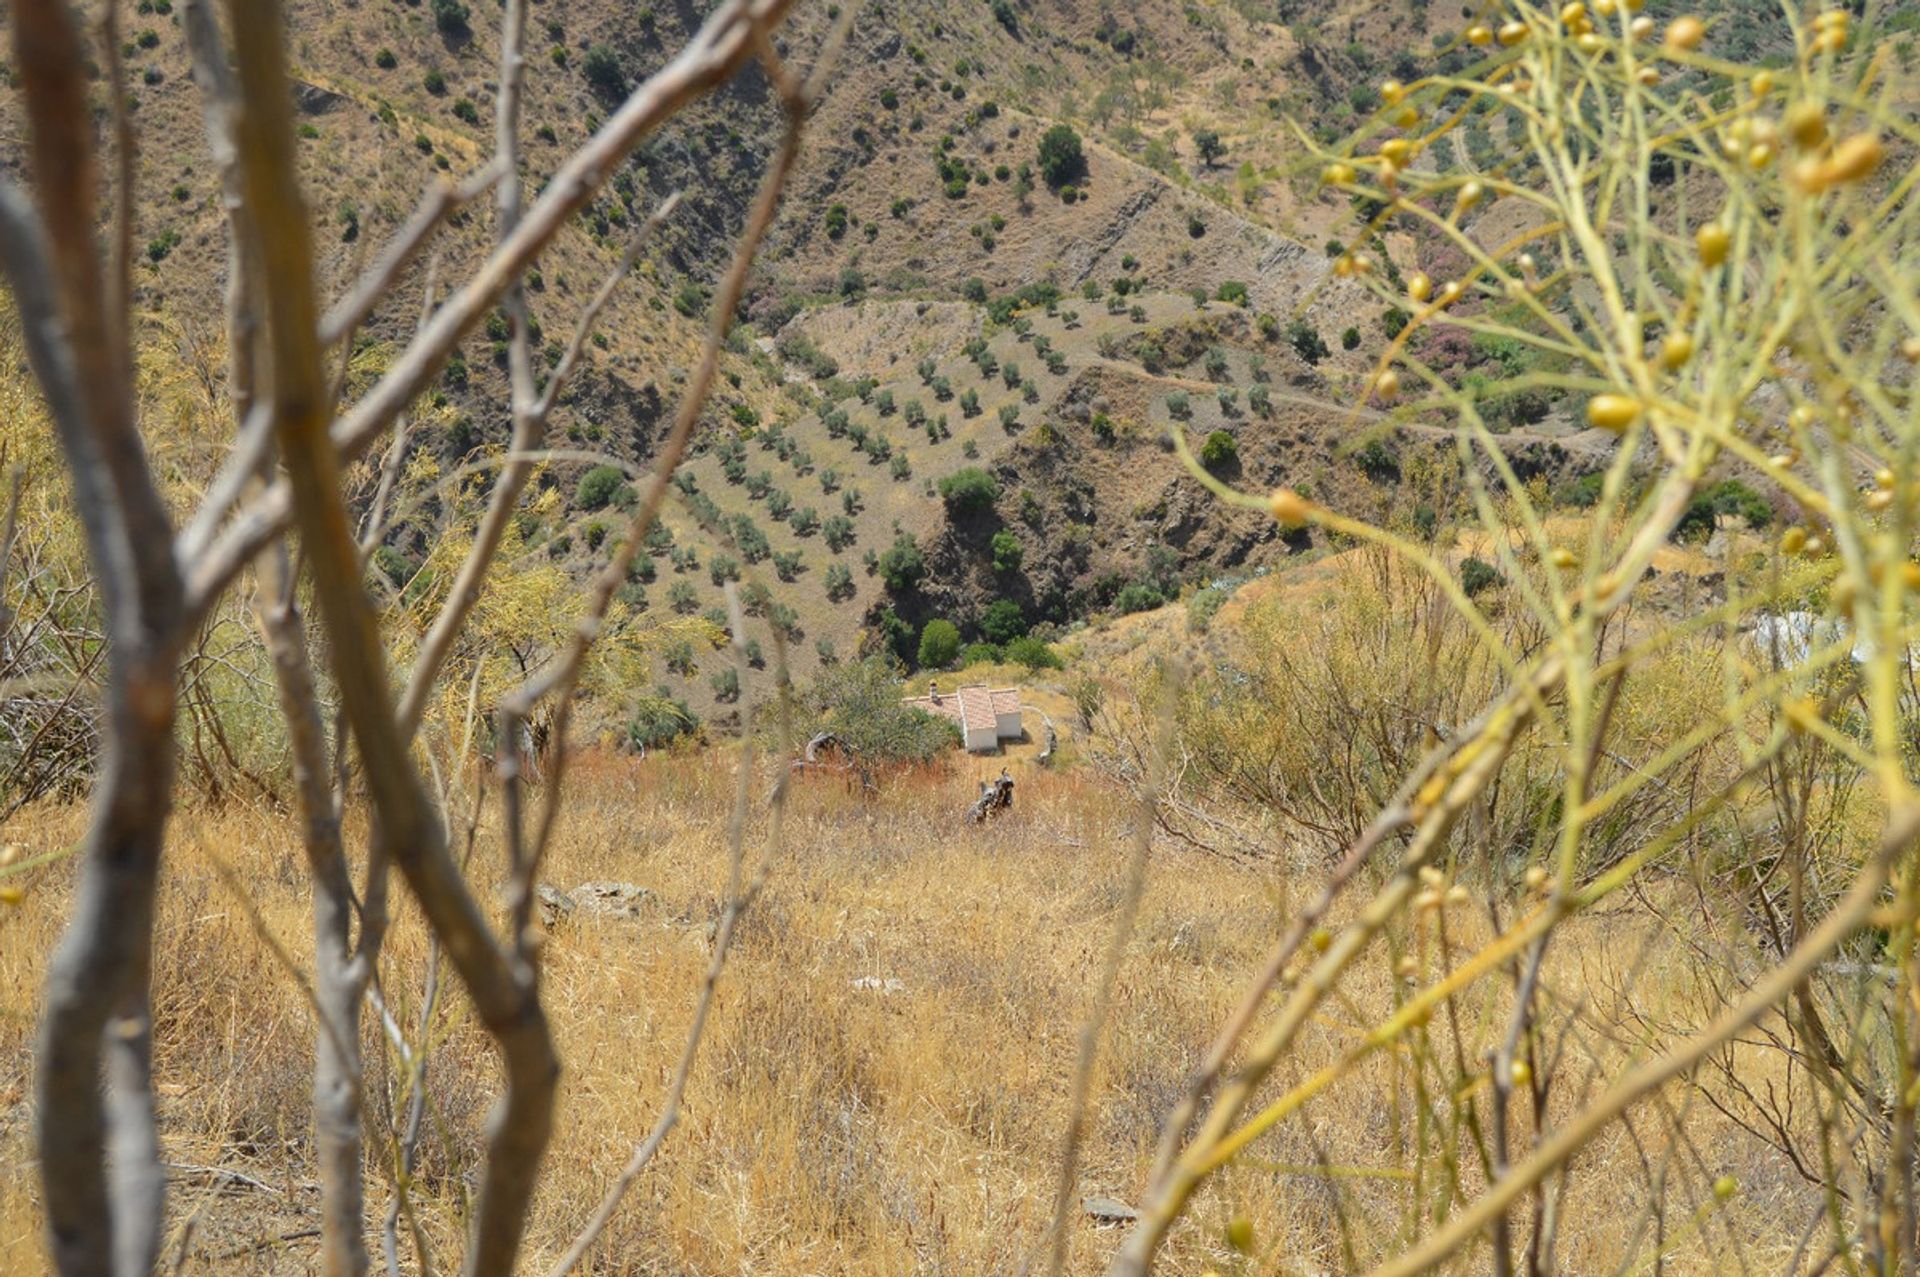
<point x="272" y="514"/>
<point x="1716" y="265"/>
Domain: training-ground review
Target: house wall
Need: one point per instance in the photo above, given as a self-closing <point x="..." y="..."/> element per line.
<point x="1008" y="725"/>
<point x="982" y="739"/>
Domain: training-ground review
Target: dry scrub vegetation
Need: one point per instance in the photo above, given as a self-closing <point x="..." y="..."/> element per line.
<point x="1498" y="919"/>
<point x="838" y="1126"/>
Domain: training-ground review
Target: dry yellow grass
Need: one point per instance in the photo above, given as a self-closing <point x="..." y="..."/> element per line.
<point x="831" y="1127"/>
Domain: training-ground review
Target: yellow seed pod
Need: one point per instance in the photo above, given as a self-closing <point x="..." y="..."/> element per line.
<point x="1321" y="939"/>
<point x="1640" y="28"/>
<point x="1910" y="577"/>
<point x="1725" y="1187"/>
<point x="1879" y="501"/>
<point x="1537" y="878"/>
<point x="1513" y="33"/>
<point x="1522" y="1073"/>
<point x="1613" y="412"/>
<point x="1675" y="351"/>
<point x="1392" y="91"/>
<point x="1450" y="292"/>
<point x="1802" y="417"/>
<point x="11" y="894"/>
<point x="1761" y="84"/>
<point x="1646" y="77"/>
<point x="1588" y="42"/>
<point x="1387" y="384"/>
<point x="1562" y="558"/>
<point x="1457" y="895"/>
<point x="1407" y="116"/>
<point x="1807" y="124"/>
<point x="1851" y="161"/>
<point x="1343" y="266"/>
<point x="1760" y="155"/>
<point x="1419" y="287"/>
<point x="1389" y="174"/>
<point x="1815" y="547"/>
<point x="1479" y="36"/>
<point x="1606" y="8"/>
<point x="1884" y="477"/>
<point x="10" y="853"/>
<point x="1240" y="1234"/>
<point x="1712" y="241"/>
<point x="1635" y="6"/>
<point x="1910" y="350"/>
<point x="1782" y="460"/>
<point x="1793" y="541"/>
<point x="1288" y="508"/>
<point x="1396" y="151"/>
<point x="1408" y="967"/>
<point x="1337" y="174"/>
<point x="1469" y="194"/>
<point x="1427" y="901"/>
<point x="1362" y="264"/>
<point x="1802" y="713"/>
<point x="1421" y="1015"/>
<point x="1686" y="33"/>
<point x="1573" y="14"/>
<point x="1431" y="875"/>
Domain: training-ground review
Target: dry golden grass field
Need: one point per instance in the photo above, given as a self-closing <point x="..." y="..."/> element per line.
<point x="885" y="1083"/>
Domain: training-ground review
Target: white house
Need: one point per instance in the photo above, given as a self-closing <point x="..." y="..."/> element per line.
<point x="985" y="716"/>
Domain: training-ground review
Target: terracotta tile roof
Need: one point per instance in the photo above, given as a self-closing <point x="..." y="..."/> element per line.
<point x="976" y="708"/>
<point x="948" y="706"/>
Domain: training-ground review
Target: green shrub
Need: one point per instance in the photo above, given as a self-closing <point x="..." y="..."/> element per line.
<point x="1060" y="156"/>
<point x="597" y="487"/>
<point x="1477" y="575"/>
<point x="385" y="60"/>
<point x="1137" y="597"/>
<point x="1003" y="621"/>
<point x="658" y="721"/>
<point x="969" y="491"/>
<point x="939" y="645"/>
<point x="859" y="701"/>
<point x="1305" y="340"/>
<point x="1220" y="449"/>
<point x="451" y="17"/>
<point x="1033" y="653"/>
<point x="603" y="73"/>
<point x="982" y="654"/>
<point x="435" y="82"/>
<point x="903" y="566"/>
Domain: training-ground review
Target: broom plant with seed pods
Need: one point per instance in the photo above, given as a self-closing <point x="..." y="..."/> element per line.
<point x="1714" y="268"/>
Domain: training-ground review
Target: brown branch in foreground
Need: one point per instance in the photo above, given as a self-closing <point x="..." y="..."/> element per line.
<point x="99" y="1152"/>
<point x="505" y="996"/>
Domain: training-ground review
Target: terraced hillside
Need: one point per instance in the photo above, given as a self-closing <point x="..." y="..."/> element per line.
<point x="934" y="297"/>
